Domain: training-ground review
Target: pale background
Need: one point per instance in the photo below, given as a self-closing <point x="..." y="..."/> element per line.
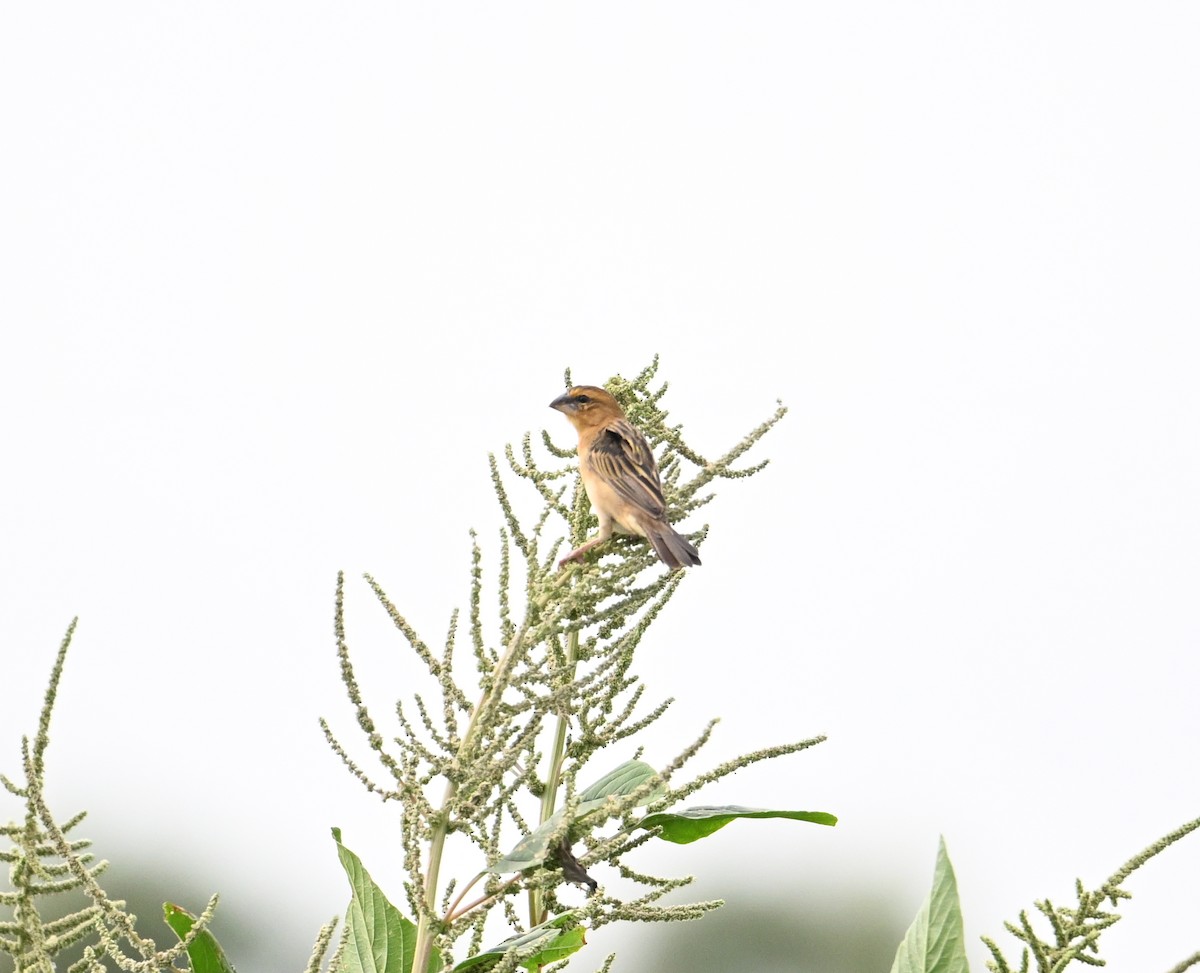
<point x="276" y="277"/>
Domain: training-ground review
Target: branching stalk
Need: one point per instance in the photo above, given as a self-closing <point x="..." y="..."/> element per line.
<point x="569" y="665"/>
<point x="437" y="842"/>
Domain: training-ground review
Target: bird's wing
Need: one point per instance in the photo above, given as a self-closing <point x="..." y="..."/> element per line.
<point x="621" y="456"/>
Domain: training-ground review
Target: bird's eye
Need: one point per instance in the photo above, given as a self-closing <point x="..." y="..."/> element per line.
<point x="582" y="398"/>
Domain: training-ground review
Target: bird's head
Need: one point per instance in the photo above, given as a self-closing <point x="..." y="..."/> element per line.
<point x="587" y="406"/>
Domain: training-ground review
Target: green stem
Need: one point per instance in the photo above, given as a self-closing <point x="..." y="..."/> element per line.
<point x="554" y="774"/>
<point x="423" y="948"/>
<point x="437" y="842"/>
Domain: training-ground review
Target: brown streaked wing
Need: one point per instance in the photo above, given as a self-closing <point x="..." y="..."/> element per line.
<point x="623" y="458"/>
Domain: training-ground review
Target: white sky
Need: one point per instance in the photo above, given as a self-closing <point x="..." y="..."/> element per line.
<point x="275" y="278"/>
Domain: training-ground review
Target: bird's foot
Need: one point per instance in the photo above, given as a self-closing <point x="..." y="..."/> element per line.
<point x="579" y="552"/>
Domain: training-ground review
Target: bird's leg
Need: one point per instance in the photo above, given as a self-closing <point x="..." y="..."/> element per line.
<point x="605" y="532"/>
<point x="579" y="552"/>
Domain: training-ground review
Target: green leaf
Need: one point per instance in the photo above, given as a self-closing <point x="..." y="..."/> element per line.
<point x="542" y="945"/>
<point x="535" y="847"/>
<point x="624" y="780"/>
<point x="204" y="952"/>
<point x="934" y="942"/>
<point x="694" y="823"/>
<point x="379" y="938"/>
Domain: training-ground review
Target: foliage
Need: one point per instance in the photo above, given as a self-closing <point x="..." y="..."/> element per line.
<point x="555" y="689"/>
<point x="934" y="942"/>
<point x="44" y="864"/>
<point x="1076" y="930"/>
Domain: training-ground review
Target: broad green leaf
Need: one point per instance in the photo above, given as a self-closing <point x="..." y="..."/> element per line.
<point x="542" y="945"/>
<point x="204" y="953"/>
<point x="535" y="847"/>
<point x="934" y="942"/>
<point x="694" y="823"/>
<point x="379" y="938"/>
<point x="623" y="780"/>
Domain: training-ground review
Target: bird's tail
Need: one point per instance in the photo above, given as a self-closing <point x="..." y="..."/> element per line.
<point x="673" y="549"/>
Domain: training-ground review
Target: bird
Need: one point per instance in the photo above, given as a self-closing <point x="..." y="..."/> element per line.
<point x="620" y="476"/>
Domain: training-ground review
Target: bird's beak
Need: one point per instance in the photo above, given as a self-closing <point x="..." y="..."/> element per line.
<point x="563" y="404"/>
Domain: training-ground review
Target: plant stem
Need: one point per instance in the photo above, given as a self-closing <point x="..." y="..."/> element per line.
<point x="456" y="913"/>
<point x="423" y="947"/>
<point x="554" y="774"/>
<point x="437" y="842"/>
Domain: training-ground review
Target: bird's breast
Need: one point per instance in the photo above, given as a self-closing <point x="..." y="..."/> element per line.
<point x="611" y="506"/>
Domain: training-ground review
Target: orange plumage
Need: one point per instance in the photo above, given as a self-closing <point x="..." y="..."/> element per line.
<point x="620" y="476"/>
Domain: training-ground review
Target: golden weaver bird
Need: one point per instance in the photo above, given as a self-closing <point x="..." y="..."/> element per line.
<point x="620" y="477"/>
